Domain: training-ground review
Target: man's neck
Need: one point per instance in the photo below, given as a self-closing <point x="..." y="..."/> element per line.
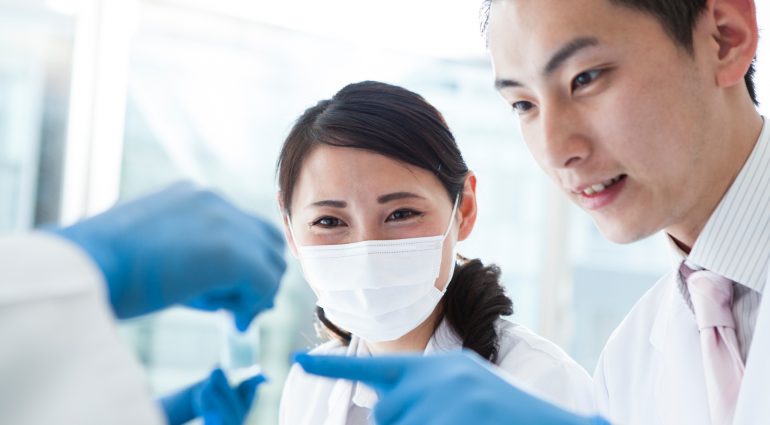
<point x="739" y="144"/>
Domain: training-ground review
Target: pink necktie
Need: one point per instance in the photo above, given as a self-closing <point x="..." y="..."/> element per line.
<point x="711" y="296"/>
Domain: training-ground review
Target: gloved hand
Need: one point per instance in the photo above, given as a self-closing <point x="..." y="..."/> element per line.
<point x="212" y="399"/>
<point x="448" y="389"/>
<point x="184" y="245"/>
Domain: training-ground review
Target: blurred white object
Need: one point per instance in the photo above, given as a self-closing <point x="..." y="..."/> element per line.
<point x="240" y="351"/>
<point x="62" y="360"/>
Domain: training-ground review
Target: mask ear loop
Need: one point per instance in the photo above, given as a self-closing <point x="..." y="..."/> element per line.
<point x="454" y="248"/>
<point x="284" y="213"/>
<point x="291" y="232"/>
<point x="299" y="253"/>
<point x="451" y="218"/>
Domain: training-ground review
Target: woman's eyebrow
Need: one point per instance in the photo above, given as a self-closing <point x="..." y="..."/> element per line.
<point x="397" y="195"/>
<point x="329" y="203"/>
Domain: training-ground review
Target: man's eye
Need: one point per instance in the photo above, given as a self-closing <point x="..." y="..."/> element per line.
<point x="522" y="106"/>
<point x="402" y="215"/>
<point x="585" y="78"/>
<point x="328" y="222"/>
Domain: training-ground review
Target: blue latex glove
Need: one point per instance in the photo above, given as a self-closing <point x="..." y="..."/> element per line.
<point x="447" y="389"/>
<point x="184" y="245"/>
<point x="212" y="399"/>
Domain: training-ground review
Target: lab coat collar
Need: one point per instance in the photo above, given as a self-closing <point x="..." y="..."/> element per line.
<point x="346" y="393"/>
<point x="444" y="339"/>
<point x="671" y="305"/>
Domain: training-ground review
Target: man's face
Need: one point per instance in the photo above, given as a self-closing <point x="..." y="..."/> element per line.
<point x="611" y="108"/>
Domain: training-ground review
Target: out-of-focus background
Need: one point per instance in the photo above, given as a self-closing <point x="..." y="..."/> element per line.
<point x="102" y="100"/>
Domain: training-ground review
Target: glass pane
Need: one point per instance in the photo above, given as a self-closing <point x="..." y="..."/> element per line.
<point x="35" y="68"/>
<point x="607" y="280"/>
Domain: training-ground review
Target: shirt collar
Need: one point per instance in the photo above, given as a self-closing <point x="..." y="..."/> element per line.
<point x="735" y="242"/>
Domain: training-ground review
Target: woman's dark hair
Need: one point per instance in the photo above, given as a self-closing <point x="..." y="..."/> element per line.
<point x="678" y="18"/>
<point x="399" y="124"/>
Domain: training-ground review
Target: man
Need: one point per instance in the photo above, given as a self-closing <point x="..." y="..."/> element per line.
<point x="61" y="360"/>
<point x="643" y="112"/>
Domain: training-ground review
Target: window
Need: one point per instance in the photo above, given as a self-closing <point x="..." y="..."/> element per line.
<point x="35" y="61"/>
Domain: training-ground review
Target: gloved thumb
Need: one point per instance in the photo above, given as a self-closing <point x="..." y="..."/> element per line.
<point x="247" y="390"/>
<point x="244" y="318"/>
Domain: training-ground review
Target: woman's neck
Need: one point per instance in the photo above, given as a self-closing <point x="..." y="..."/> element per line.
<point x="414" y="341"/>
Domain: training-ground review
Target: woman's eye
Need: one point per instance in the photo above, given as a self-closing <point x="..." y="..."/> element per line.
<point x="585" y="78"/>
<point x="403" y="215"/>
<point x="328" y="222"/>
<point x="522" y="106"/>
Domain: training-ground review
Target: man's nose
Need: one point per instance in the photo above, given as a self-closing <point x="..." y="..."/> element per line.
<point x="565" y="141"/>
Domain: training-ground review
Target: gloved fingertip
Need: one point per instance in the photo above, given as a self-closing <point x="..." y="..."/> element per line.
<point x="247" y="390"/>
<point x="218" y="377"/>
<point x="243" y="321"/>
<point x="270" y="303"/>
<point x="261" y="379"/>
<point x="256" y="380"/>
<point x="300" y="357"/>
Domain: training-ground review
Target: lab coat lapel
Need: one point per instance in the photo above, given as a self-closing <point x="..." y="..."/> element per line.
<point x="345" y="392"/>
<point x="342" y="392"/>
<point x="753" y="406"/>
<point x="680" y="388"/>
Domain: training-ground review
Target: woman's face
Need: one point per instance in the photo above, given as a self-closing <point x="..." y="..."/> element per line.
<point x="346" y="195"/>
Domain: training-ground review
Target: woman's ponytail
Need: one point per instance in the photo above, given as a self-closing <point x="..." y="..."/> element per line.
<point x="473" y="303"/>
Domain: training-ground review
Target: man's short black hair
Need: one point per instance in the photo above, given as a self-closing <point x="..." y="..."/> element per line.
<point x="678" y="18"/>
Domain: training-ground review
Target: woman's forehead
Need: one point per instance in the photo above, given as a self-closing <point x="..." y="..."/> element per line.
<point x="337" y="172"/>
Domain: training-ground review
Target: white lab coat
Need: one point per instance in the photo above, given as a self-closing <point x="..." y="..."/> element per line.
<point x="61" y="360"/>
<point x="527" y="359"/>
<point x="651" y="371"/>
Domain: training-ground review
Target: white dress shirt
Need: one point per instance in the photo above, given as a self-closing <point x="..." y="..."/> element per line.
<point x="735" y="242"/>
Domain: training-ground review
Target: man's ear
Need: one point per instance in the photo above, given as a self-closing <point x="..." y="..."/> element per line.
<point x="732" y="25"/>
<point x="467" y="209"/>
<point x="286" y="231"/>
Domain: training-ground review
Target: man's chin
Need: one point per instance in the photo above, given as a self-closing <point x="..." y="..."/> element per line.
<point x="621" y="233"/>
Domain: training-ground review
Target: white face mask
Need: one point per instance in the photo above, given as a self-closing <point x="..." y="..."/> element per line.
<point x="377" y="290"/>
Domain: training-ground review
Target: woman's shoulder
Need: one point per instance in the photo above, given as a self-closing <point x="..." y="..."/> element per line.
<point x="519" y="340"/>
<point x="543" y="367"/>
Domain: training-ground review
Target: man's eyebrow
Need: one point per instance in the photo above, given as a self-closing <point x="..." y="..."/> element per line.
<point x="566" y="52"/>
<point x="556" y="60"/>
<point x="397" y="195"/>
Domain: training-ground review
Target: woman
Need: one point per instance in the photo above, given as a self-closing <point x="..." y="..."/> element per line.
<point x="376" y="195"/>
